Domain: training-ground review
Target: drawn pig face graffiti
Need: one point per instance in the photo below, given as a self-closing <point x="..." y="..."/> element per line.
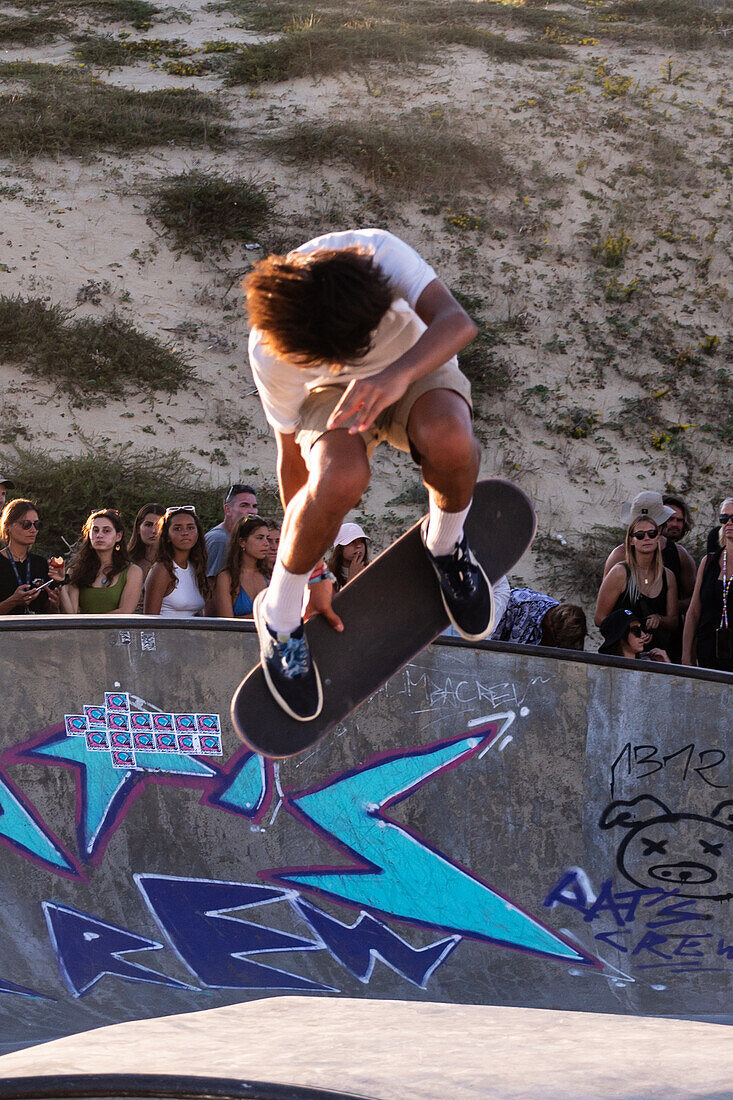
<point x="687" y="853"/>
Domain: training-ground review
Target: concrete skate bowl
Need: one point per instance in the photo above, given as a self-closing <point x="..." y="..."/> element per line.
<point x="499" y="826"/>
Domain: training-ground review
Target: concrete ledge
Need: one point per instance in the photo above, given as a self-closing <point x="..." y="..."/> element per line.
<point x="393" y="1049"/>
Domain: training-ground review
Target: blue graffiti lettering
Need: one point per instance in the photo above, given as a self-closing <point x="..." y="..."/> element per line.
<point x="357" y="946"/>
<point x="404" y="877"/>
<point x="216" y="947"/>
<point x="103" y="790"/>
<point x="607" y="937"/>
<point x="243" y="786"/>
<point x="650" y="941"/>
<point x="88" y="948"/>
<point x="724" y="949"/>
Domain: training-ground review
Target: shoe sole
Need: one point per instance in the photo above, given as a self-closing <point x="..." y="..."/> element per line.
<point x="459" y="630"/>
<point x="262" y="632"/>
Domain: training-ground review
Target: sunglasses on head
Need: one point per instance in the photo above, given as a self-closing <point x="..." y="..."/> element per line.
<point x="725" y="517"/>
<point x="236" y="489"/>
<point x="26" y="524"/>
<point x="181" y="508"/>
<point x="641" y="535"/>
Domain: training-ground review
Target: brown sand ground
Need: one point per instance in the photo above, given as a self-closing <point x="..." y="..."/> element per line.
<point x="587" y="415"/>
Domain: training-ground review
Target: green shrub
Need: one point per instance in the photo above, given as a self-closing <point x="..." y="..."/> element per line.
<point x="90" y="361"/>
<point x="205" y="208"/>
<point x="67" y="488"/>
<point x="66" y="112"/>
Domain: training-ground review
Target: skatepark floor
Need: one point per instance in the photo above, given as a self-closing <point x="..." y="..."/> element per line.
<point x="398" y="1050"/>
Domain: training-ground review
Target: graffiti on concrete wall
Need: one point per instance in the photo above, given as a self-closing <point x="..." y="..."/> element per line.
<point x="395" y="872"/>
<point x="383" y="870"/>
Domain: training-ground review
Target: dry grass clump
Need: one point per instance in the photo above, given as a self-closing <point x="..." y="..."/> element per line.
<point x="413" y="154"/>
<point x="32" y="29"/>
<point x="89" y="361"/>
<point x="316" y="48"/>
<point x="316" y="51"/>
<point x="496" y="45"/>
<point x="202" y="209"/>
<point x="140" y="13"/>
<point x="65" y="112"/>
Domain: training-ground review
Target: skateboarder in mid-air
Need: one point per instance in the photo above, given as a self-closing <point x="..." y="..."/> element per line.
<point x="353" y="341"/>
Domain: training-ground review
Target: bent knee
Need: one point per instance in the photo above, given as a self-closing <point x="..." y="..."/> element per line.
<point x="446" y="441"/>
<point x="339" y="480"/>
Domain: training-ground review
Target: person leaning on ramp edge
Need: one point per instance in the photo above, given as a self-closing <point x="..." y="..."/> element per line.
<point x="353" y="341"/>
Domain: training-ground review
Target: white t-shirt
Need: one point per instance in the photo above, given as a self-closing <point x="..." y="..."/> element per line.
<point x="283" y="387"/>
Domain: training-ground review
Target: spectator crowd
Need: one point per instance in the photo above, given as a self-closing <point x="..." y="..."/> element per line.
<point x="654" y="603"/>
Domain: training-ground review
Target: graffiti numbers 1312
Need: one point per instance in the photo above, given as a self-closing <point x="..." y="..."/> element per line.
<point x="641" y="761"/>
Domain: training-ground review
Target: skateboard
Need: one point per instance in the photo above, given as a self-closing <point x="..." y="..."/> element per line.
<point x="390" y="611"/>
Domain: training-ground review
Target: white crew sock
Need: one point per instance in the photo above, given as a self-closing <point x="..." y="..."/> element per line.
<point x="283" y="602"/>
<point x="445" y="530"/>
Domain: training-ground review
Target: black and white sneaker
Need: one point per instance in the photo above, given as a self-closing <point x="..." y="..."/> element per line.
<point x="291" y="674"/>
<point x="466" y="590"/>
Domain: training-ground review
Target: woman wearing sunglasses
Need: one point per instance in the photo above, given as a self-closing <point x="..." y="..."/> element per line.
<point x="624" y="636"/>
<point x="708" y="636"/>
<point x="642" y="584"/>
<point x="102" y="579"/>
<point x="21" y="571"/>
<point x="177" y="586"/>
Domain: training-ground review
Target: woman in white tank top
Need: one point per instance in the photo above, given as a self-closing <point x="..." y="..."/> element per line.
<point x="177" y="585"/>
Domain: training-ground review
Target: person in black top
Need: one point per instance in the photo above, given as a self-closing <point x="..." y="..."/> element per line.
<point x="708" y="638"/>
<point x="21" y="571"/>
<point x="672" y="515"/>
<point x="642" y="584"/>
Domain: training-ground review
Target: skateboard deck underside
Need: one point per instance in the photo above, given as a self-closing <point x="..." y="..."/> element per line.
<point x="390" y="612"/>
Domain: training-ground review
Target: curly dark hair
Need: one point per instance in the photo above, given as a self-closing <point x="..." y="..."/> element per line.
<point x="318" y="307"/>
<point x="233" y="564"/>
<point x="84" y="565"/>
<point x="197" y="557"/>
<point x="136" y="546"/>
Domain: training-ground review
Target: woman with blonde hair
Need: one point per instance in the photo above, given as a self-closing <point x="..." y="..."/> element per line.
<point x="243" y="576"/>
<point x="708" y="636"/>
<point x="102" y="579"/>
<point x="642" y="583"/>
<point x="177" y="586"/>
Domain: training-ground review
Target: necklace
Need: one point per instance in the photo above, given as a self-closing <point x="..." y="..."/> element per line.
<point x="726" y="588"/>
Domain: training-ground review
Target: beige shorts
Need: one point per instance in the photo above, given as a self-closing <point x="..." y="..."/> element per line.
<point x="391" y="425"/>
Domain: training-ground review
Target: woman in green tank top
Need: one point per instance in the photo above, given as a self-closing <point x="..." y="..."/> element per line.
<point x="102" y="579"/>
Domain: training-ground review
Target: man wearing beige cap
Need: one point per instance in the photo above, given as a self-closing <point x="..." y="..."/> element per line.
<point x="5" y="484"/>
<point x="650" y="505"/>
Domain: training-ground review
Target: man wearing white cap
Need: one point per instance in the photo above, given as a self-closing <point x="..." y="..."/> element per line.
<point x="5" y="484"/>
